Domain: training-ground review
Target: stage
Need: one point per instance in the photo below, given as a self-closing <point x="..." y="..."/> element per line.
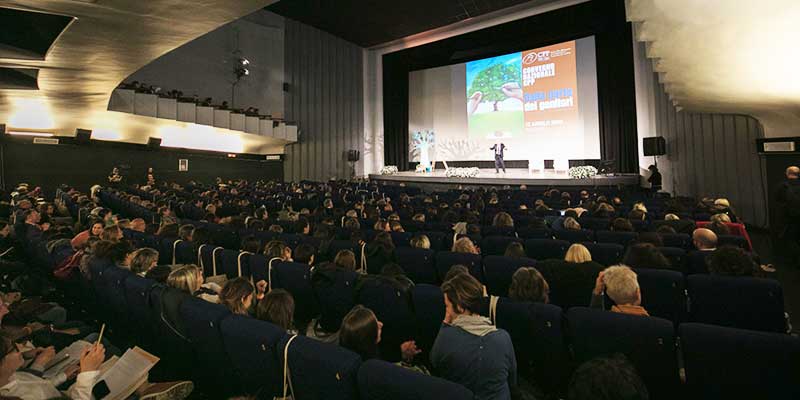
<point x="513" y="177"/>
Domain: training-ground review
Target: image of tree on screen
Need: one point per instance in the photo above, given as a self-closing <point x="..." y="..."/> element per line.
<point x="494" y="96"/>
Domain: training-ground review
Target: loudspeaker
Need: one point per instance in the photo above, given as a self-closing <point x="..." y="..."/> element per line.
<point x="286" y="87"/>
<point x="154" y="143"/>
<point x="83" y="136"/>
<point x="353" y="155"/>
<point x="654" y="146"/>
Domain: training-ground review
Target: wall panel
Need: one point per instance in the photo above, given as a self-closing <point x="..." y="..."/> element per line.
<point x="325" y="100"/>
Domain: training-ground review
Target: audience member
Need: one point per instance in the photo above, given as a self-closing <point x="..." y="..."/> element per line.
<point x="731" y="261"/>
<point x="607" y="378"/>
<point x="622" y="286"/>
<point x="515" y="250"/>
<point x="645" y="255"/>
<point x="80" y="239"/>
<point x="420" y="242"/>
<point x="465" y="245"/>
<point x="345" y="259"/>
<point x="143" y="260"/>
<point x="527" y="284"/>
<point x="379" y="252"/>
<point x="705" y="241"/>
<point x="278" y="308"/>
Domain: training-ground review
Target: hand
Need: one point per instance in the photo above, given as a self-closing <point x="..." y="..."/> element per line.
<point x="512" y="90"/>
<point x="72" y="371"/>
<point x="45" y="226"/>
<point x="473" y="102"/>
<point x="35" y="326"/>
<point x="44" y="357"/>
<point x="599" y="284"/>
<point x="409" y="350"/>
<point x="92" y="357"/>
<point x="361" y="242"/>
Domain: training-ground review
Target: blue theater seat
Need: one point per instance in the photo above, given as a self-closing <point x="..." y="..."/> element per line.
<point x="543" y="249"/>
<point x="429" y="311"/>
<point x="498" y="271"/>
<point x="663" y="293"/>
<point x="737" y="302"/>
<point x="392" y="306"/>
<point x="213" y="371"/>
<point x="446" y="259"/>
<point x="252" y="347"/>
<point x="605" y="253"/>
<point x="676" y="257"/>
<point x="729" y="363"/>
<point x="320" y="370"/>
<point x="296" y="279"/>
<point x="648" y="342"/>
<point x="380" y="380"/>
<point x="621" y="238"/>
<point x="496" y="245"/>
<point x="574" y="236"/>
<point x="335" y="291"/>
<point x="417" y="263"/>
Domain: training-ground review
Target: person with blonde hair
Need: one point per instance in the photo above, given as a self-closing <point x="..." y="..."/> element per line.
<point x="571" y="224"/>
<point x="143" y="260"/>
<point x="578" y="253"/>
<point x="503" y="220"/>
<point x="183" y="278"/>
<point x="640" y="206"/>
<point x="345" y="259"/>
<point x="622" y="286"/>
<point x="465" y="245"/>
<point x="420" y="242"/>
<point x="721" y="217"/>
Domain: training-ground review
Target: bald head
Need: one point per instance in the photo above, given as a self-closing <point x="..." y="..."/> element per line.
<point x="704" y="239"/>
<point x="793" y="172"/>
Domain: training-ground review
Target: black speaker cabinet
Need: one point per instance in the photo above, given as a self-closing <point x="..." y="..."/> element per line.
<point x="83" y="136"/>
<point x="154" y="143"/>
<point x="654" y="146"/>
<point x="353" y="155"/>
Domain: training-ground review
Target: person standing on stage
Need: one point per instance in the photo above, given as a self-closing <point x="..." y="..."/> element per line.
<point x="499" y="148"/>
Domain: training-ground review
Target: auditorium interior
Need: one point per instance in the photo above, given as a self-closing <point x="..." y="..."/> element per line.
<point x="380" y="200"/>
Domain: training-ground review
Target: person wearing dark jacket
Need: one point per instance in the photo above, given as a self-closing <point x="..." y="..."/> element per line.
<point x="787" y="211"/>
<point x="379" y="252"/>
<point x="470" y="350"/>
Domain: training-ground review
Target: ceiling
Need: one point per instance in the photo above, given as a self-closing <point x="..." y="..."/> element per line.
<point x="107" y="41"/>
<point x="369" y="22"/>
<point x="726" y="56"/>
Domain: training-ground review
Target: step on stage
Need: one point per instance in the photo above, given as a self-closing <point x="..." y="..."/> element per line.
<point x="512" y="177"/>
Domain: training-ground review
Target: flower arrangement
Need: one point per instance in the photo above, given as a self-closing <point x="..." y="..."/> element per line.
<point x="389" y="170"/>
<point x="471" y="172"/>
<point x="582" y="172"/>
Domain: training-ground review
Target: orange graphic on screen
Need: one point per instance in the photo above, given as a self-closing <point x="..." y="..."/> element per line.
<point x="550" y="88"/>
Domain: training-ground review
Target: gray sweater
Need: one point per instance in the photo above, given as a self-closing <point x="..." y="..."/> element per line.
<point x="475" y="354"/>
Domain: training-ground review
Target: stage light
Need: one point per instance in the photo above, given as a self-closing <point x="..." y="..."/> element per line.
<point x="244" y="61"/>
<point x="246" y="71"/>
<point x="30" y="132"/>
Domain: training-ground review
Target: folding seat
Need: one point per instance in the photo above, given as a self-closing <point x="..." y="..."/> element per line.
<point x="258" y="265"/>
<point x="596" y="224"/>
<point x="291" y="239"/>
<point x="679" y="240"/>
<point x="729" y="363"/>
<point x="574" y="236"/>
<point x="570" y="284"/>
<point x="320" y="370"/>
<point x="165" y="249"/>
<point x="536" y="330"/>
<point x="436" y="238"/>
<point x="663" y="293"/>
<point x="380" y="380"/>
<point x="446" y="259"/>
<point x="210" y="259"/>
<point x="498" y="271"/>
<point x="392" y="306"/>
<point x="184" y="252"/>
<point x="648" y="342"/>
<point x="535" y="233"/>
<point x="737" y="302"/>
<point x="496" y="245"/>
<point x="337" y="245"/>
<point x="676" y="257"/>
<point x="213" y="371"/>
<point x="112" y="292"/>
<point x="335" y="292"/>
<point x="605" y="253"/>
<point x="417" y="263"/>
<point x="252" y="345"/>
<point x="733" y="240"/>
<point x="498" y="231"/>
<point x="401" y="239"/>
<point x="137" y="297"/>
<point x="296" y="279"/>
<point x="621" y="238"/>
<point x="543" y="249"/>
<point x="429" y="310"/>
<point x="235" y="263"/>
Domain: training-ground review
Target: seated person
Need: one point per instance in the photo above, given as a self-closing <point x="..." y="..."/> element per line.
<point x="469" y="350"/>
<point x="420" y="242"/>
<point x="278" y="308"/>
<point x="361" y="333"/>
<point x="731" y="261"/>
<point x="705" y="241"/>
<point x="527" y="284"/>
<point x="622" y="286"/>
<point x="645" y="255"/>
<point x="143" y="260"/>
<point x="612" y="378"/>
<point x="515" y="250"/>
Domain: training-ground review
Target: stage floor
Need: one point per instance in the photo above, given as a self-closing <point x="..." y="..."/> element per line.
<point x="518" y="176"/>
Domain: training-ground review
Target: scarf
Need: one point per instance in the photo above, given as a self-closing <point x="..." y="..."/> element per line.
<point x="475" y="324"/>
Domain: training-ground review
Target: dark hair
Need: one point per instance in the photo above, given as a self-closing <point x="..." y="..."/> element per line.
<point x="652" y="238"/>
<point x="119" y="251"/>
<point x="645" y="255"/>
<point x="383" y="240"/>
<point x="359" y="332"/>
<point x="515" y="249"/>
<point x="636" y="215"/>
<point x="665" y="229"/>
<point x="527" y="284"/>
<point x="621" y="225"/>
<point x="277" y="307"/>
<point x="301" y="225"/>
<point x="186" y="232"/>
<point x="392" y="269"/>
<point x="455" y="270"/>
<point x="274" y="248"/>
<point x="169" y="230"/>
<point x="719" y="228"/>
<point x="730" y="261"/>
<point x="345" y="259"/>
<point x="612" y="378"/>
<point x="233" y="294"/>
<point x="251" y="244"/>
<point x="464" y="292"/>
<point x="303" y="253"/>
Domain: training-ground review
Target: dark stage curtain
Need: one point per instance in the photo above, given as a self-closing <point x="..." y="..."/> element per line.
<point x="605" y="19"/>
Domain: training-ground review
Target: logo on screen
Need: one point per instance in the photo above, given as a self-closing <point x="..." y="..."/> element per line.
<point x="532" y="57"/>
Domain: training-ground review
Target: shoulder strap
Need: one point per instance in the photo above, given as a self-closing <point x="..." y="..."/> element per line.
<point x="287" y="378"/>
<point x="239" y="261"/>
<point x="363" y="269"/>
<point x="200" y="256"/>
<point x="269" y="272"/>
<point x="214" y="260"/>
<point x="174" y="247"/>
<point x="493" y="309"/>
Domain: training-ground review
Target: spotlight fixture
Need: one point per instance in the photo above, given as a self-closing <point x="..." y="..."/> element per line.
<point x="30" y="132"/>
<point x="244" y="61"/>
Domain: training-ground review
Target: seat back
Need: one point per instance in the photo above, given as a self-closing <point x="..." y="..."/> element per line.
<point x="235" y="263"/>
<point x="733" y="240"/>
<point x="380" y="380"/>
<point x="210" y="259"/>
<point x="202" y="323"/>
<point x="252" y="347"/>
<point x="605" y="253"/>
<point x="663" y="293"/>
<point x="574" y="236"/>
<point x="429" y="311"/>
<point x="678" y="240"/>
<point x="335" y="292"/>
<point x="496" y="245"/>
<point x="621" y="238"/>
<point x="392" y="306"/>
<point x="648" y="342"/>
<point x="185" y="253"/>
<point x="417" y="263"/>
<point x="535" y="233"/>
<point x="676" y="257"/>
<point x="446" y="259"/>
<point x="728" y="363"/>
<point x="544" y="249"/>
<point x="137" y="297"/>
<point x="570" y="284"/>
<point x="737" y="302"/>
<point x="296" y="279"/>
<point x="320" y="370"/>
<point x="498" y="271"/>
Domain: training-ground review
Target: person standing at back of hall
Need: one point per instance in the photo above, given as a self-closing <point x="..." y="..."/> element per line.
<point x="499" y="150"/>
<point x="787" y="201"/>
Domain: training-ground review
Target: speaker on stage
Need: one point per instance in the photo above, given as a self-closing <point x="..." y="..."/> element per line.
<point x="353" y="155"/>
<point x="654" y="146"/>
<point x="83" y="136"/>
